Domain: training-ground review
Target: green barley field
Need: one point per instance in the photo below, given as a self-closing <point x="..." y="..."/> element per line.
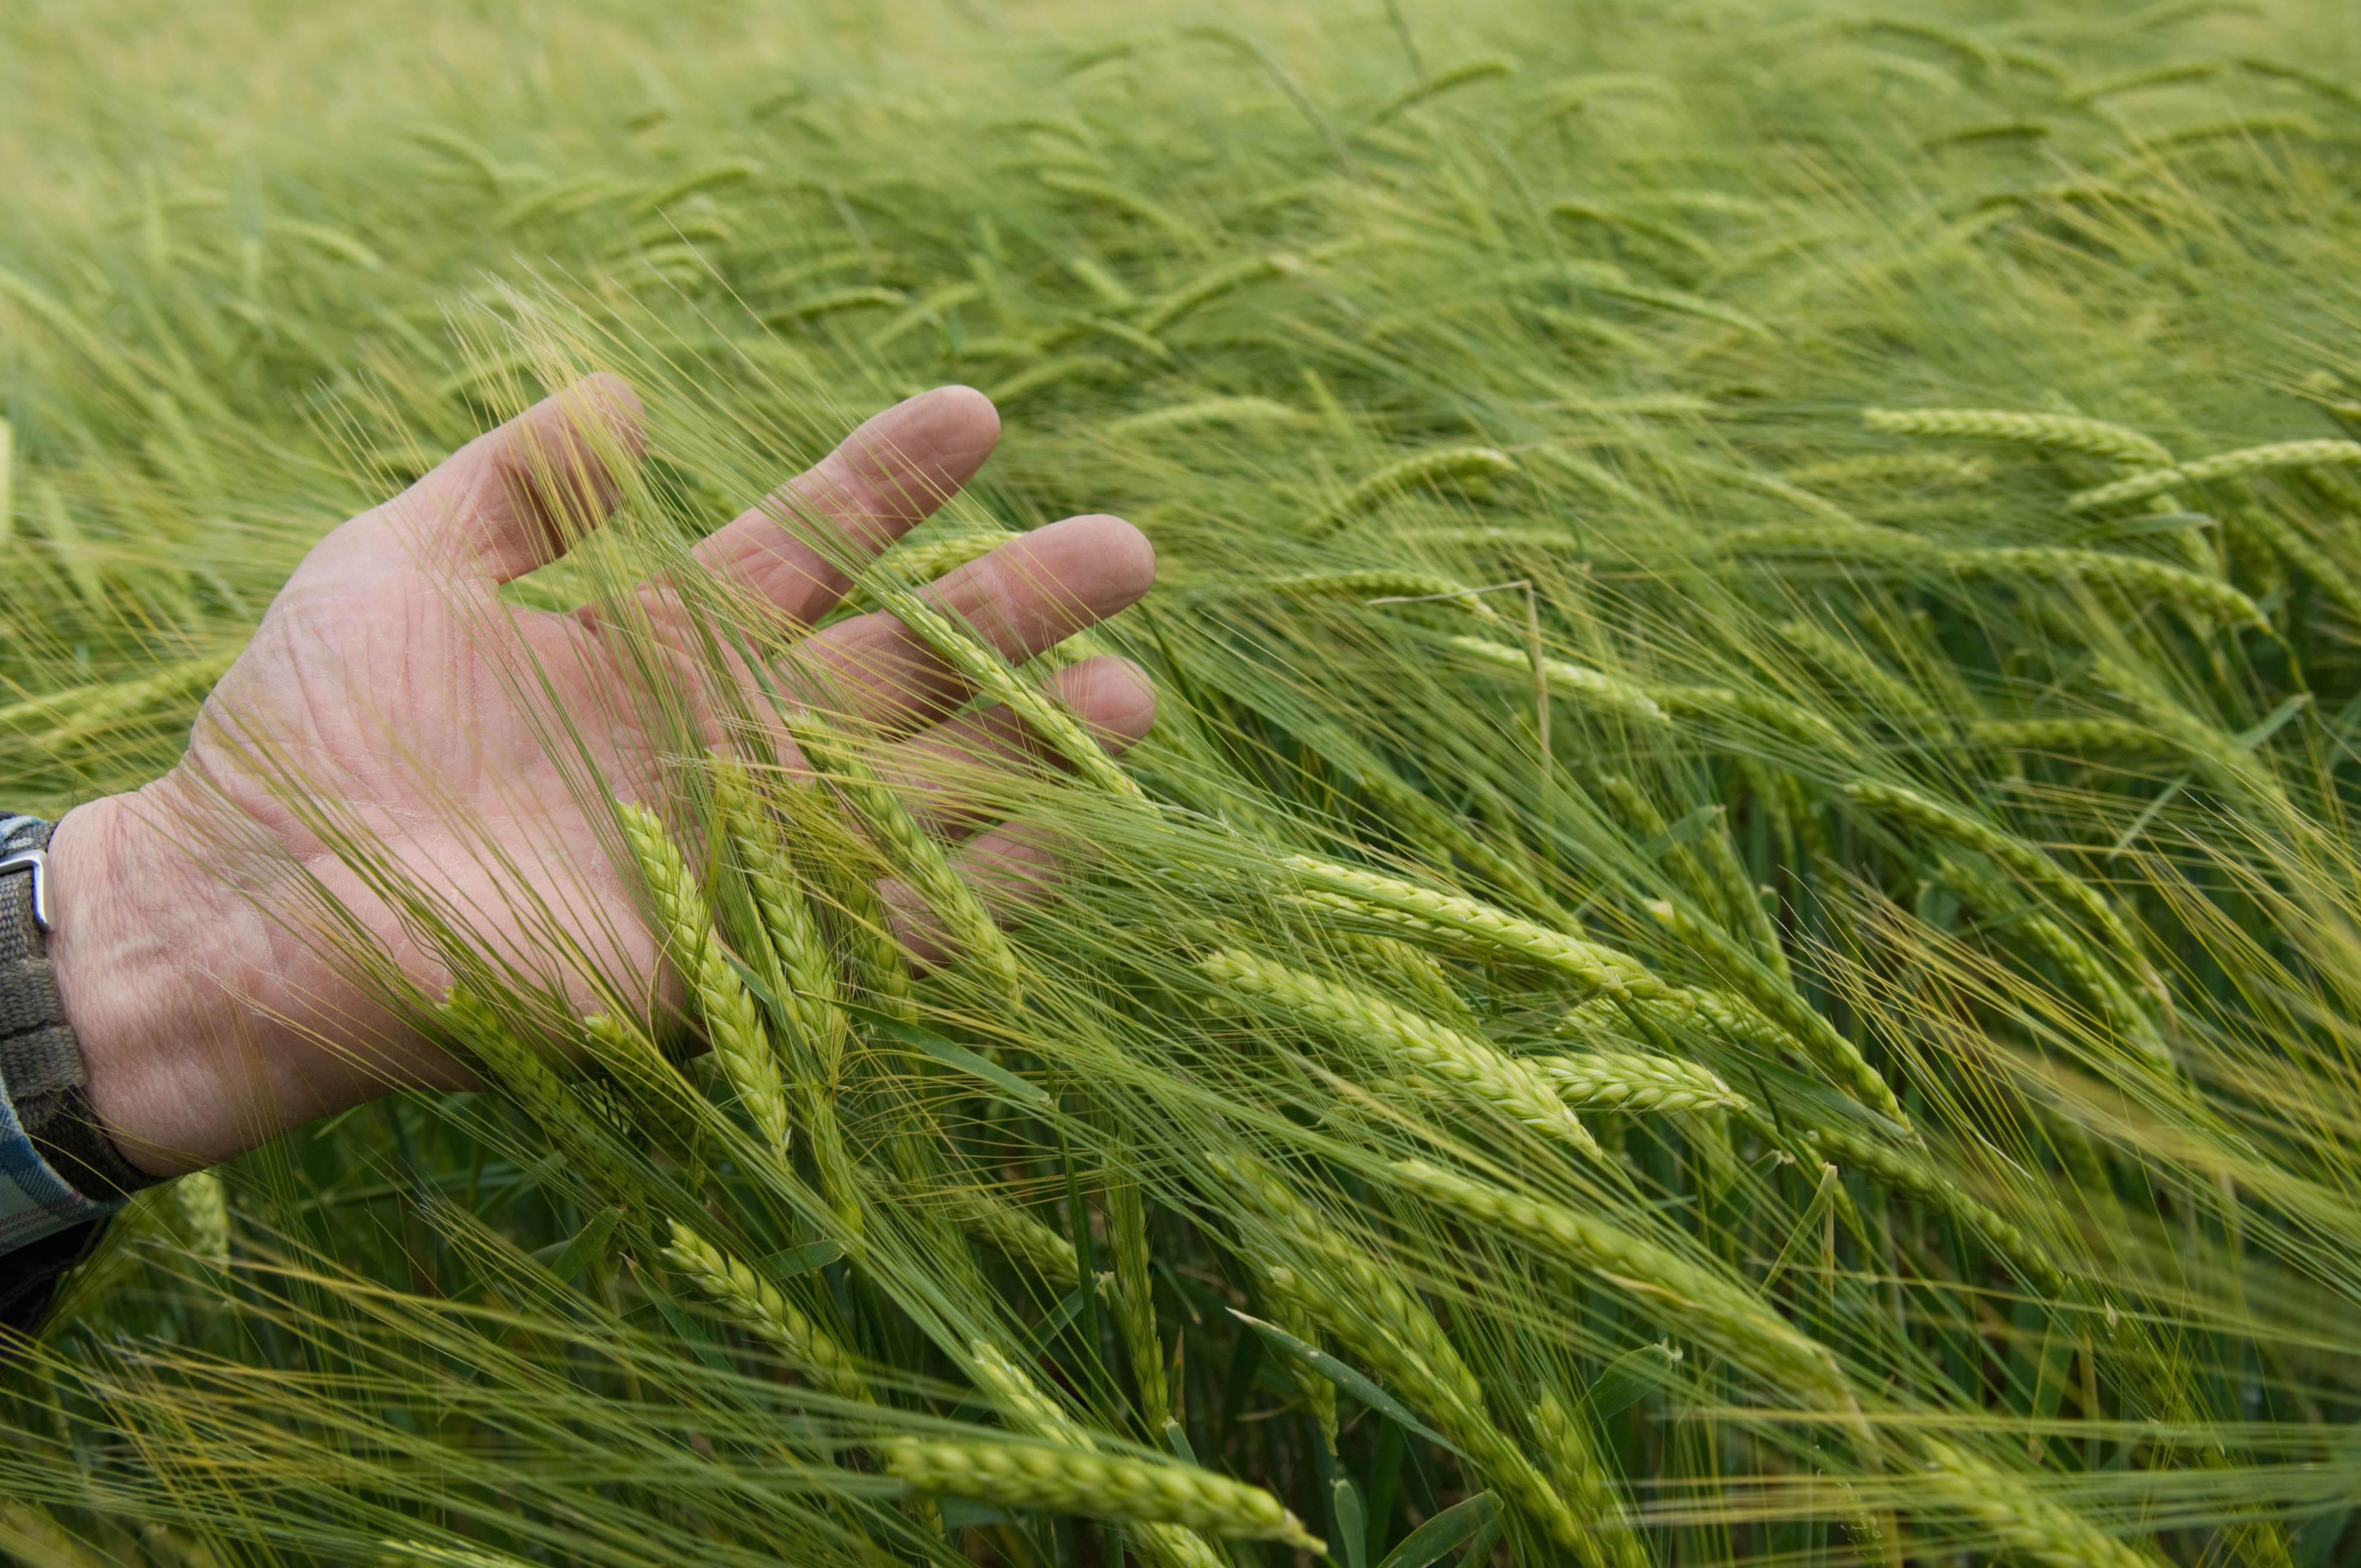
<point x="1737" y="939"/>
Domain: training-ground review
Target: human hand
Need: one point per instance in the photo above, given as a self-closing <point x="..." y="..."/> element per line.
<point x="210" y="1020"/>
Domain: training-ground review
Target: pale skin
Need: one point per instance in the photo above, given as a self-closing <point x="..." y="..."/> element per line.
<point x="210" y="1021"/>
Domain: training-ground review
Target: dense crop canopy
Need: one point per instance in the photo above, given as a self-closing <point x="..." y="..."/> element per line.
<point x="1737" y="939"/>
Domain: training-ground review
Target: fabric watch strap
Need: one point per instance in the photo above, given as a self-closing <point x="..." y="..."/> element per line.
<point x="57" y="1166"/>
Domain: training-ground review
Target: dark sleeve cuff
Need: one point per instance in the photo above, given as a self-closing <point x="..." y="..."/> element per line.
<point x="28" y="1275"/>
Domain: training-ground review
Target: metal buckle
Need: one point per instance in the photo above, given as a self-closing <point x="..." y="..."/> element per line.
<point x="38" y="863"/>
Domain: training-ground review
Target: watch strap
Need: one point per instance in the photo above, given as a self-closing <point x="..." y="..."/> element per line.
<point x="41" y="1065"/>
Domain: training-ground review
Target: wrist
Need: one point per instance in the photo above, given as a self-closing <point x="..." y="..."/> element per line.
<point x="152" y="978"/>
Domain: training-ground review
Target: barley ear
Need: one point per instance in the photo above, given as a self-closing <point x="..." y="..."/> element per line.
<point x="1101" y="1485"/>
<point x="915" y="856"/>
<point x="989" y="675"/>
<point x="685" y="927"/>
<point x="758" y="1307"/>
<point x="203" y="1204"/>
<point x="1135" y="1301"/>
<point x="519" y="1069"/>
<point x="1463" y="1062"/>
<point x="1831" y="1052"/>
<point x="1582" y="1479"/>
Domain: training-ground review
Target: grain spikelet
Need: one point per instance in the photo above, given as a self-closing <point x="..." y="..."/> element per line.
<point x="684" y="929"/>
<point x="1415" y="968"/>
<point x="1621" y="1080"/>
<point x="2062" y="433"/>
<point x="1366" y="1307"/>
<point x="1434" y="468"/>
<point x="545" y="1097"/>
<point x="1708" y="1305"/>
<point x="1010" y="1231"/>
<point x="2205" y="598"/>
<point x="1318" y="1393"/>
<point x="1600" y="212"/>
<point x="1575" y="93"/>
<point x="1053" y="372"/>
<point x="1135" y="1301"/>
<point x="1246" y="412"/>
<point x="2283" y="537"/>
<point x="438" y="1556"/>
<point x="803" y="981"/>
<point x="834" y="301"/>
<point x="79" y="714"/>
<point x="1472" y="1066"/>
<point x="203" y="1204"/>
<point x="1101" y="1485"/>
<point x="1227" y="279"/>
<point x="877" y="967"/>
<point x="2170" y="74"/>
<point x="915" y="857"/>
<point x="1583" y="1480"/>
<point x="1727" y="706"/>
<point x="915" y="563"/>
<point x="1571" y="680"/>
<point x="1870" y="683"/>
<point x="2023" y="1522"/>
<point x="2224" y="465"/>
<point x="1384" y="583"/>
<point x="1465" y="73"/>
<point x="1416" y="909"/>
<point x="1906" y="1173"/>
<point x="1834" y="1055"/>
<point x="1908" y="806"/>
<point x="1123" y="198"/>
<point x="729" y="172"/>
<point x="1025" y="1407"/>
<point x="2070" y="737"/>
<point x="759" y="1306"/>
<point x="1915" y="470"/>
<point x="991" y="675"/>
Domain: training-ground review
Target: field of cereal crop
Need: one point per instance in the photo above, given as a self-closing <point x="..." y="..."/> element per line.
<point x="1738" y="938"/>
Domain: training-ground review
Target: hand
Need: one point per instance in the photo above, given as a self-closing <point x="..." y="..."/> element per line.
<point x="210" y="1020"/>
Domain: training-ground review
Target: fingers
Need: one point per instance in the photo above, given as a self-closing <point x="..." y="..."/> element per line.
<point x="1015" y="867"/>
<point x="520" y="496"/>
<point x="937" y="771"/>
<point x="889" y="474"/>
<point x="1028" y="594"/>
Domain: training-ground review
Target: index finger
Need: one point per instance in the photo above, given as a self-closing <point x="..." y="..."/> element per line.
<point x="887" y="475"/>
